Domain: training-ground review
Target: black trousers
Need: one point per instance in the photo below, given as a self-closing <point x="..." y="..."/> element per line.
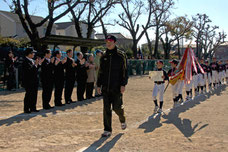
<point x="11" y="80"/>
<point x="30" y="99"/>
<point x="89" y="90"/>
<point x="59" y="84"/>
<point x="81" y="89"/>
<point x="112" y="98"/>
<point x="69" y="86"/>
<point x="47" y="93"/>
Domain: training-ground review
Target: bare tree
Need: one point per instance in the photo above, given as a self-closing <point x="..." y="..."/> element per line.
<point x="21" y="8"/>
<point x="129" y="19"/>
<point x="182" y="27"/>
<point x="200" y="22"/>
<point x="160" y="16"/>
<point x="173" y="31"/>
<point x="211" y="40"/>
<point x="91" y="13"/>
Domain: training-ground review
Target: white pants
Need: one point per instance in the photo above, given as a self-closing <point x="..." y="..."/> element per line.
<point x="195" y="81"/>
<point x="221" y="76"/>
<point x="215" y="77"/>
<point x="180" y="86"/>
<point x="209" y="79"/>
<point x="175" y="90"/>
<point x="227" y="73"/>
<point x="158" y="90"/>
<point x="202" y="79"/>
<point x="188" y="87"/>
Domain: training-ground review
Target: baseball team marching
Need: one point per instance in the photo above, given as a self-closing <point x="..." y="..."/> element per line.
<point x="215" y="75"/>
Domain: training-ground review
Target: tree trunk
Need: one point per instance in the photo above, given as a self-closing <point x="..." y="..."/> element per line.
<point x="149" y="43"/>
<point x="134" y="48"/>
<point x="156" y="43"/>
<point x="178" y="46"/>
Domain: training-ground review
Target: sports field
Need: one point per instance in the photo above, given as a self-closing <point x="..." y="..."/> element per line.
<point x="200" y="125"/>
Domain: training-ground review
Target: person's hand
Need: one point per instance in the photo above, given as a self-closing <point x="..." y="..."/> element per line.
<point x="74" y="64"/>
<point x="149" y="77"/>
<point x="57" y="61"/>
<point x="99" y="90"/>
<point x="87" y="64"/>
<point x="122" y="89"/>
<point x="82" y="61"/>
<point x="64" y="60"/>
<point x="52" y="59"/>
<point x="41" y="61"/>
<point x="37" y="61"/>
<point x="163" y="77"/>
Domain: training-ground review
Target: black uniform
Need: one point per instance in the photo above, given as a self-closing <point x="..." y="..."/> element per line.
<point x="209" y="70"/>
<point x="59" y="83"/>
<point x="204" y="67"/>
<point x="70" y="80"/>
<point x="81" y="80"/>
<point x="47" y="79"/>
<point x="214" y="66"/>
<point x="112" y="75"/>
<point x="30" y="82"/>
<point x="10" y="69"/>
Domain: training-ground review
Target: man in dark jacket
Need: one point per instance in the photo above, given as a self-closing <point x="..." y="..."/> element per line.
<point x="112" y="78"/>
<point x="59" y="77"/>
<point x="70" y="67"/>
<point x="30" y="80"/>
<point x="82" y="67"/>
<point x="47" y="78"/>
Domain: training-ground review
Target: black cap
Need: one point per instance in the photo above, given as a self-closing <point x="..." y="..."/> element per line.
<point x="110" y="38"/>
<point x="174" y="61"/>
<point x="29" y="51"/>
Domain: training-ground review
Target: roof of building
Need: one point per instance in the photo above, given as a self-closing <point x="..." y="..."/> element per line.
<point x="224" y="43"/>
<point x="117" y="35"/>
<point x="63" y="25"/>
<point x="70" y="41"/>
<point x="14" y="16"/>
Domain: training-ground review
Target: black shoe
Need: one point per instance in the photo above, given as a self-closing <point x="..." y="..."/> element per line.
<point x="47" y="108"/>
<point x="27" y="112"/>
<point x="60" y="105"/>
<point x="34" y="110"/>
<point x="72" y="101"/>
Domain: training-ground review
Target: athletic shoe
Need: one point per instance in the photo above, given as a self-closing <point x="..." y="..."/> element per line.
<point x="156" y="109"/>
<point x="160" y="110"/>
<point x="181" y="101"/>
<point x="187" y="97"/>
<point x="123" y="126"/>
<point x="106" y="134"/>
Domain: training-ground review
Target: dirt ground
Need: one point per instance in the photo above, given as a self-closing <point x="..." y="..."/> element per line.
<point x="200" y="125"/>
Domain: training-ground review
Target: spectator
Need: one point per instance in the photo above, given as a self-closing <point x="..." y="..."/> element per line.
<point x="82" y="67"/>
<point x="91" y="77"/>
<point x="10" y="70"/>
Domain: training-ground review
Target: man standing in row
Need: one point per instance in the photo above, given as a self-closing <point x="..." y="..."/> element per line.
<point x="59" y="77"/>
<point x="47" y="78"/>
<point x="112" y="79"/>
<point x="70" y="67"/>
<point x="30" y="80"/>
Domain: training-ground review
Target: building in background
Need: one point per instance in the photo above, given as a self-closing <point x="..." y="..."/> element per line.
<point x="10" y="25"/>
<point x="122" y="41"/>
<point x="221" y="52"/>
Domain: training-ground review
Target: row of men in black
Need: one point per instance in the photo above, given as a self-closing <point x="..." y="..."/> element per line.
<point x="52" y="73"/>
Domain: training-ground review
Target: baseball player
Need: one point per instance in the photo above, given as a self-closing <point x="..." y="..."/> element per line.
<point x="175" y="90"/>
<point x="226" y="71"/>
<point x="159" y="87"/>
<point x="203" y="77"/>
<point x="214" y="66"/>
<point x="209" y="74"/>
<point x="221" y="71"/>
